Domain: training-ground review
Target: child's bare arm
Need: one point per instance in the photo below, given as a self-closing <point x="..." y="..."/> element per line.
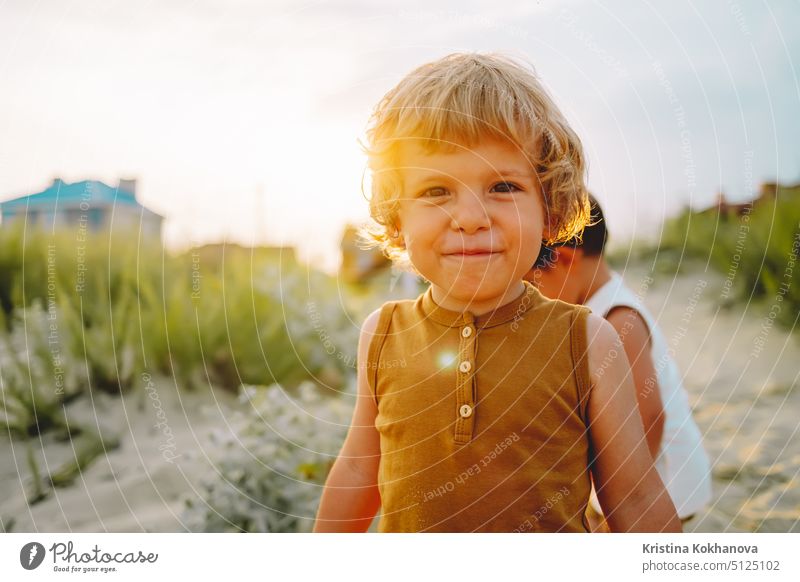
<point x="351" y="499"/>
<point x="635" y="337"/>
<point x="630" y="490"/>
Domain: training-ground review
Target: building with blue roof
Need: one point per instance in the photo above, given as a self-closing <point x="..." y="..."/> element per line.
<point x="89" y="204"/>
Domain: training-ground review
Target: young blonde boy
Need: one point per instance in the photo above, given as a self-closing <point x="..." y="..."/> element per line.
<point x="509" y="404"/>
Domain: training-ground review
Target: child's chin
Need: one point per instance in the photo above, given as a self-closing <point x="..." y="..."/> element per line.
<point x="476" y="289"/>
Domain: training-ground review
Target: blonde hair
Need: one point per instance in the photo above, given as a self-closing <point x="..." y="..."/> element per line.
<point x="462" y="99"/>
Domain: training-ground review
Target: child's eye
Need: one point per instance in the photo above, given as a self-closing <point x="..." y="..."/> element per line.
<point x="506" y="187"/>
<point x="437" y="192"/>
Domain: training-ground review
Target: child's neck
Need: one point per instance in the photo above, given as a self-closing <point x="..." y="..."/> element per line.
<point x="479" y="306"/>
<point x="596" y="277"/>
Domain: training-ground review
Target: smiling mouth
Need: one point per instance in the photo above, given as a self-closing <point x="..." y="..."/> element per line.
<point x="472" y="254"/>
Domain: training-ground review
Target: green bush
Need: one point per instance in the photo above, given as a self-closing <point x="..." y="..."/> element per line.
<point x="38" y="375"/>
<point x="758" y="250"/>
<point x="122" y="308"/>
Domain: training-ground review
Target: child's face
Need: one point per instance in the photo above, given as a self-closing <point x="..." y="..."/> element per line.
<point x="471" y="219"/>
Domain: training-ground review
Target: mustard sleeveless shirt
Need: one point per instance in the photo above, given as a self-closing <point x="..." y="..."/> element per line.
<point x="482" y="420"/>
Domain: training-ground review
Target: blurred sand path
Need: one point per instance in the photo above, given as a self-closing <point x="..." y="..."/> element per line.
<point x="136" y="487"/>
<point x="742" y="373"/>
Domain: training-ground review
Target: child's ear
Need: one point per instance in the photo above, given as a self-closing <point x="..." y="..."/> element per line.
<point x="396" y="235"/>
<point x="567" y="256"/>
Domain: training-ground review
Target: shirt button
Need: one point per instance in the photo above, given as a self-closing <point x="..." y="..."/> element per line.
<point x="465" y="411"/>
<point x="466" y="332"/>
<point x="465" y="366"/>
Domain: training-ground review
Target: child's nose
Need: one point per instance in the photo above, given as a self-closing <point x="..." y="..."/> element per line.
<point x="470" y="214"/>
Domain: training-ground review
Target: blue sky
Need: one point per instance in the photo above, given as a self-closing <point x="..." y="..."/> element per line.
<point x="241" y="118"/>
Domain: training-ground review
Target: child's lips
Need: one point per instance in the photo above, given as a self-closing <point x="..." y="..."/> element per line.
<point x="472" y="254"/>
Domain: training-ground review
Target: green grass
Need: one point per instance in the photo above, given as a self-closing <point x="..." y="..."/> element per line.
<point x="758" y="252"/>
<point x="109" y="309"/>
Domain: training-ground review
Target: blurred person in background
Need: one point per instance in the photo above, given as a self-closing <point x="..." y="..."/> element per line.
<point x="577" y="272"/>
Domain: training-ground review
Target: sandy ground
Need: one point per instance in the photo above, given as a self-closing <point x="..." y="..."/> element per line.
<point x="134" y="488"/>
<point x="742" y="373"/>
<point x="746" y="402"/>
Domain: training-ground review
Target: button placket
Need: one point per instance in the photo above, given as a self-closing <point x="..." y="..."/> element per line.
<point x="465" y="405"/>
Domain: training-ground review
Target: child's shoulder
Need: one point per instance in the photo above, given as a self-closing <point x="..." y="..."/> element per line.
<point x="376" y="322"/>
<point x="370" y="324"/>
<point x="556" y="310"/>
<point x="394" y="305"/>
